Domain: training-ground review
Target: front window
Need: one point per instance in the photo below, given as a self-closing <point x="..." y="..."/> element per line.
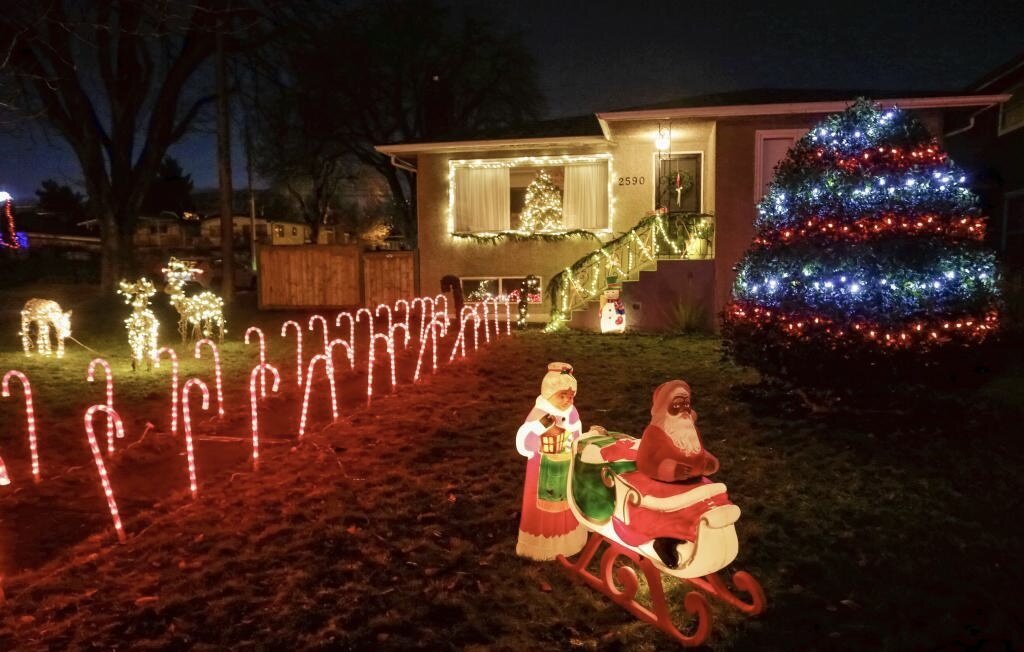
<point x="475" y="289"/>
<point x="529" y="195"/>
<point x="278" y="230"/>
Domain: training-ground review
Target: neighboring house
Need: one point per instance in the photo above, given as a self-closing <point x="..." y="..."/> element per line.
<point x="711" y="154"/>
<point x="56" y="230"/>
<point x="990" y="142"/>
<point x="277" y="232"/>
<point x="162" y="231"/>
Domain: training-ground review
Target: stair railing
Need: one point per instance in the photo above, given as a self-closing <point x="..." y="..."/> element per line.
<point x="621" y="259"/>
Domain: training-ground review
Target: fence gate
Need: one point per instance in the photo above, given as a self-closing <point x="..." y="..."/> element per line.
<point x="388" y="276"/>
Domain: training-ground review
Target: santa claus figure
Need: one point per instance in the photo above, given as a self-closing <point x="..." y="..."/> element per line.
<point x="671" y="449"/>
<point x="671" y="461"/>
<point x="547" y="527"/>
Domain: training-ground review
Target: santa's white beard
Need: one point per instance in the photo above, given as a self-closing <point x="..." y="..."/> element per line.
<point x="683" y="433"/>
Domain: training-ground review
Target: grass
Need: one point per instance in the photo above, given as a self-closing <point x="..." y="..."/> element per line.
<point x="395" y="528"/>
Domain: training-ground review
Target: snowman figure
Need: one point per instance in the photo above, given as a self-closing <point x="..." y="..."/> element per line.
<point x="613" y="313"/>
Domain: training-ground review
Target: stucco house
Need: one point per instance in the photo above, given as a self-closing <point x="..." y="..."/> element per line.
<point x="703" y="160"/>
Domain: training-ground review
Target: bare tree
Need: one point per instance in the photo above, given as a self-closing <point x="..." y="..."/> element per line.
<point x="117" y="80"/>
<point x="385" y="71"/>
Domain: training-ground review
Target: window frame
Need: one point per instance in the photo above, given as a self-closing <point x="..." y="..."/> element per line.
<point x="760" y="136"/>
<point x="525" y="162"/>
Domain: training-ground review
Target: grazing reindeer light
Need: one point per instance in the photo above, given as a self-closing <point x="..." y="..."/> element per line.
<point x="142" y="325"/>
<point x="203" y="312"/>
<point x="45" y="313"/>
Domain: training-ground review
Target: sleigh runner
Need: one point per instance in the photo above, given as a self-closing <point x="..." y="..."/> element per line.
<point x="612" y="500"/>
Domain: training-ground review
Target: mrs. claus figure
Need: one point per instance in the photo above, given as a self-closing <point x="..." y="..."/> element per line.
<point x="547" y="527"/>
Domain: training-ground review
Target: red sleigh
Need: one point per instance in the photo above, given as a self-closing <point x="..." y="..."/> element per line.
<point x="609" y="498"/>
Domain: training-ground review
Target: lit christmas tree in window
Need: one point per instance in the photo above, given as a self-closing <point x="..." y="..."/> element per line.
<point x="542" y="208"/>
<point x="869" y="249"/>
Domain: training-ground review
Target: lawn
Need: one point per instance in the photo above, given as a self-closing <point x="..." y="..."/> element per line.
<point x="395" y="527"/>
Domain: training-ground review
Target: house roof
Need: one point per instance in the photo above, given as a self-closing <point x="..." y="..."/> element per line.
<point x="32" y="221"/>
<point x="580" y="130"/>
<point x="1002" y="77"/>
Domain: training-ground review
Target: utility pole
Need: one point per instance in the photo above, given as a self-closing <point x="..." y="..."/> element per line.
<point x="227" y="219"/>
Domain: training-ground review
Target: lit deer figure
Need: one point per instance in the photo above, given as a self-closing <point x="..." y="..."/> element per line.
<point x="45" y="314"/>
<point x="141" y="324"/>
<point x="199" y="315"/>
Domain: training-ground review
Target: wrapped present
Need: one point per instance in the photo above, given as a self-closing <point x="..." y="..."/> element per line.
<point x="592" y="490"/>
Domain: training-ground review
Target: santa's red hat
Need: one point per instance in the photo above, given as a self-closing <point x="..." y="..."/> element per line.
<point x="663" y="396"/>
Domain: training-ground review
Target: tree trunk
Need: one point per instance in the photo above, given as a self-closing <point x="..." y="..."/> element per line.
<point x="110" y="251"/>
<point x="227" y="231"/>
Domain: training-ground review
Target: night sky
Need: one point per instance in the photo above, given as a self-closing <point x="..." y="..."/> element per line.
<point x="595" y="55"/>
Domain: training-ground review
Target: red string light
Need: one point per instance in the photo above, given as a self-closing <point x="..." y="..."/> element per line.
<point x="97" y="457"/>
<point x="109" y="377"/>
<point x="30" y="417"/>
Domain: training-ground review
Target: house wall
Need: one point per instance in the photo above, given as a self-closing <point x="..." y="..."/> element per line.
<point x="633" y="155"/>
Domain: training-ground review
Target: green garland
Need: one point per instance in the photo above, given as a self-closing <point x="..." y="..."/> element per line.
<point x="555" y="284"/>
<point x="516" y="236"/>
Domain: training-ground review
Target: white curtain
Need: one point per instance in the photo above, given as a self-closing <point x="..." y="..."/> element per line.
<point x="482" y="199"/>
<point x="585" y="194"/>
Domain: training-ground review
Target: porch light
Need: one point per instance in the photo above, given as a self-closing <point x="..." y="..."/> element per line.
<point x="661" y="141"/>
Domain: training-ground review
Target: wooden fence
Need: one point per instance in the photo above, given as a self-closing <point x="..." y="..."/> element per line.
<point x="388" y="276"/>
<point x="309" y="276"/>
<point x="333" y="276"/>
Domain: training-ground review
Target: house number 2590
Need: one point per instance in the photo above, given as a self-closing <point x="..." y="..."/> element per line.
<point x="631" y="181"/>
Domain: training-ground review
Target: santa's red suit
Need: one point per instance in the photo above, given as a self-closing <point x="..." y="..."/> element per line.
<point x="669" y="465"/>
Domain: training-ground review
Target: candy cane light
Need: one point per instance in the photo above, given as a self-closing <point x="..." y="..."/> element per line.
<point x="4" y="478"/>
<point x="261" y="370"/>
<point x="426" y="316"/>
<point x="174" y="382"/>
<point x="323" y="322"/>
<point x="404" y="305"/>
<point x="369" y="318"/>
<point x="216" y="368"/>
<point x="91" y="377"/>
<point x="387" y="311"/>
<point x="186" y="418"/>
<point x="435" y="325"/>
<point x="97" y="457"/>
<point x="351" y="334"/>
<point x="487" y="328"/>
<point x="30" y="416"/>
<point x="263" y="353"/>
<point x="298" y="348"/>
<point x="328" y="369"/>
<point x="438" y="299"/>
<point x="390" y="345"/>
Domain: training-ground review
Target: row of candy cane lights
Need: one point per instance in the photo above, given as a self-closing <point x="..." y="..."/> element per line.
<point x="434" y="323"/>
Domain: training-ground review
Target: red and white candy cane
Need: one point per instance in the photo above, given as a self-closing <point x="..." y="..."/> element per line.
<point x="404" y="305"/>
<point x="508" y="316"/>
<point x="351" y="335"/>
<point x="387" y="311"/>
<point x="433" y="327"/>
<point x="426" y="313"/>
<point x="298" y="348"/>
<point x="444" y="311"/>
<point x="390" y="344"/>
<point x="323" y="322"/>
<point x="263" y="354"/>
<point x="30" y="416"/>
<point x="186" y="417"/>
<point x="4" y="478"/>
<point x="260" y="369"/>
<point x="216" y="369"/>
<point x="174" y="382"/>
<point x="369" y="318"/>
<point x="90" y="376"/>
<point x="97" y="457"/>
<point x="487" y="329"/>
<point x="329" y="371"/>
